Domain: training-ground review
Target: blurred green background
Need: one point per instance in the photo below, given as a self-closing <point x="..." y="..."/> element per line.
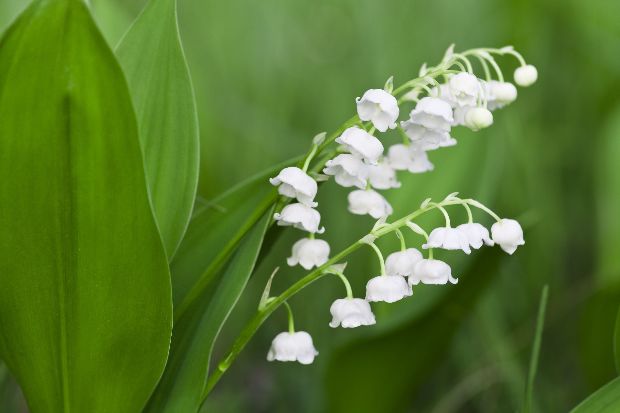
<point x="271" y="74"/>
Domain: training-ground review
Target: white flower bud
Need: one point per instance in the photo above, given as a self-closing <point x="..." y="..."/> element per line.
<point x="351" y="313"/>
<point x="430" y="271"/>
<point x="478" y="118"/>
<point x="362" y="144"/>
<point x="508" y="234"/>
<point x="526" y="75"/>
<point x="309" y="253"/>
<point x="388" y="288"/>
<point x="476" y="234"/>
<point x="363" y="202"/>
<point x="295" y="183"/>
<point x="402" y="262"/>
<point x="448" y="239"/>
<point x="296" y="346"/>
<point x="379" y="107"/>
<point x="382" y="176"/>
<point x="301" y="217"/>
<point x="499" y="94"/>
<point x="464" y="88"/>
<point x="348" y="170"/>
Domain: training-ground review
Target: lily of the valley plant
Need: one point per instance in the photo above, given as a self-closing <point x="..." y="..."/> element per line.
<point x="437" y="102"/>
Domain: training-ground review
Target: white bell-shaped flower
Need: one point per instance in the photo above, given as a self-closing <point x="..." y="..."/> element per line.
<point x="508" y="234"/>
<point x="526" y="75"/>
<point x="464" y="88"/>
<point x="426" y="139"/>
<point x="402" y="262"/>
<point x="477" y="234"/>
<point x="432" y="113"/>
<point x="379" y="107"/>
<point x="382" y="176"/>
<point x="362" y="144"/>
<point x="444" y="93"/>
<point x="478" y="118"/>
<point x="448" y="239"/>
<point x="499" y="94"/>
<point x="348" y="170"/>
<point x="309" y="253"/>
<point x="369" y="202"/>
<point x="351" y="313"/>
<point x="300" y="216"/>
<point x="402" y="157"/>
<point x="431" y="271"/>
<point x="295" y="183"/>
<point x="388" y="288"/>
<point x="296" y="346"/>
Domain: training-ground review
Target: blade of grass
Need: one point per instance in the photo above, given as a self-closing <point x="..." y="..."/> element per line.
<point x="531" y="375"/>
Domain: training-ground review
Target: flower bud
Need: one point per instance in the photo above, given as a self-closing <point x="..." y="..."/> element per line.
<point x="526" y="75"/>
<point x="507" y="233"/>
<point x="478" y="118"/>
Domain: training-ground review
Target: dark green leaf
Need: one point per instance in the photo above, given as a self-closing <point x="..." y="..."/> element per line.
<point x="181" y="387"/>
<point x="85" y="308"/>
<point x="152" y="58"/>
<point x="604" y="400"/>
<point x="617" y="342"/>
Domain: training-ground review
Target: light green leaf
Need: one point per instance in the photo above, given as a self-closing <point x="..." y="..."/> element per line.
<point x="85" y="308"/>
<point x="183" y="382"/>
<point x="152" y="58"/>
<point x="604" y="400"/>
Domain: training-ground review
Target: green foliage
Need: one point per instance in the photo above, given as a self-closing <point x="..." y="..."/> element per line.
<point x="183" y="383"/>
<point x="605" y="400"/>
<point x="85" y="303"/>
<point x="540" y="324"/>
<point x="152" y="58"/>
<point x="617" y="342"/>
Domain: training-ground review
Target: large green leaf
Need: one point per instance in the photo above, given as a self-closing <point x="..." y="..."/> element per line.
<point x="152" y="58"/>
<point x="604" y="400"/>
<point x="85" y="303"/>
<point x="183" y="382"/>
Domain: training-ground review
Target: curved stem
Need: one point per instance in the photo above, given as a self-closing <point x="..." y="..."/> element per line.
<point x="470" y="217"/>
<point x="380" y="256"/>
<point x="401" y="237"/>
<point x="291" y="319"/>
<point x="478" y="205"/>
<point x="309" y="158"/>
<point x="345" y="281"/>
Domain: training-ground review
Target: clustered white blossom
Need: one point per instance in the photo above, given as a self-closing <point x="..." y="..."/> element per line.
<point x="445" y="96"/>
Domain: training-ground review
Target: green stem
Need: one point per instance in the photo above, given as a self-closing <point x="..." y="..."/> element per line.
<point x="380" y="256"/>
<point x="347" y="284"/>
<point x="470" y="217"/>
<point x="291" y="319"/>
<point x="309" y="158"/>
<point x="540" y="322"/>
<point x="401" y="238"/>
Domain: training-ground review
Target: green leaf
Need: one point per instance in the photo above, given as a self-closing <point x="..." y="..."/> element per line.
<point x="152" y="58"/>
<point x="183" y="382"/>
<point x="214" y="232"/>
<point x="604" y="400"/>
<point x="540" y="324"/>
<point x="85" y="307"/>
<point x="617" y="342"/>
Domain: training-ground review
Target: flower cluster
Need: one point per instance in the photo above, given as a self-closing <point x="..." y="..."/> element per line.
<point x="444" y="97"/>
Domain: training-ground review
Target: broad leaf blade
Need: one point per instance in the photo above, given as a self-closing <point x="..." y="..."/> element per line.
<point x="152" y="58"/>
<point x="617" y="342"/>
<point x="183" y="382"/>
<point x="604" y="400"/>
<point x="85" y="308"/>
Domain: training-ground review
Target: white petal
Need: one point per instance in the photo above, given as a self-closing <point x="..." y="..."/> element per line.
<point x="388" y="288"/>
<point x="361" y="143"/>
